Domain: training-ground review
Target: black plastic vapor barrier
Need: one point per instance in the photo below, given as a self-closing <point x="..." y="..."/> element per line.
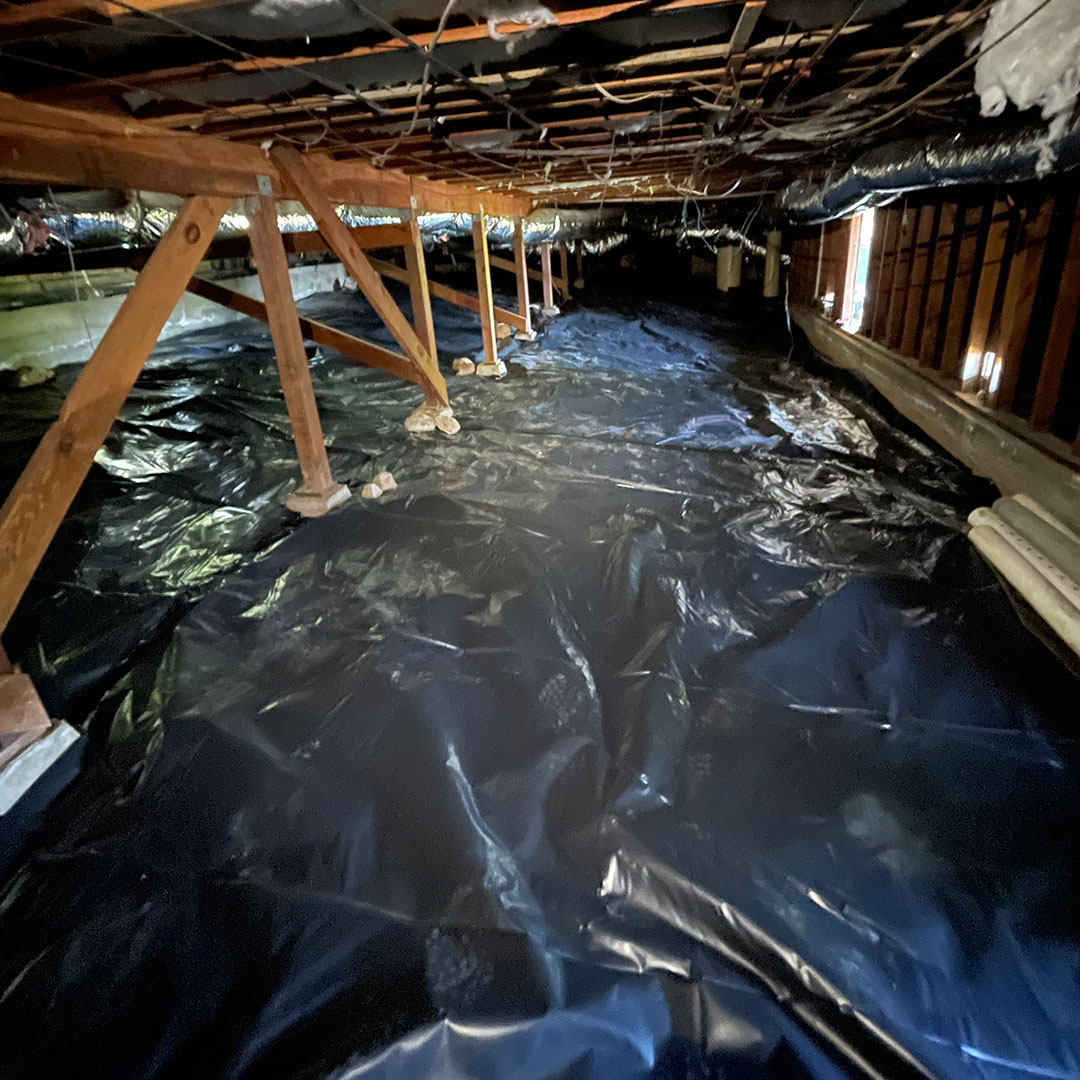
<point x="662" y="724"/>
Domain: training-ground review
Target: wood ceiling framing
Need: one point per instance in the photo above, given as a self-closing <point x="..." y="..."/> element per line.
<point x="640" y="99"/>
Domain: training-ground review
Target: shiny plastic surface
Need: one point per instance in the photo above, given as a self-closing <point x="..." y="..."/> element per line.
<point x="662" y="724"/>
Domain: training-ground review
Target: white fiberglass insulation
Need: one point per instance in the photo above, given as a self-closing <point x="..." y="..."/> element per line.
<point x="1037" y="64"/>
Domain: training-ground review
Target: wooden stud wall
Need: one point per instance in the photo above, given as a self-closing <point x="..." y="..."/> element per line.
<point x="956" y="282"/>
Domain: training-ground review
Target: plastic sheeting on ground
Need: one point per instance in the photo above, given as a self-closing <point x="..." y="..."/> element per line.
<point x="662" y="724"/>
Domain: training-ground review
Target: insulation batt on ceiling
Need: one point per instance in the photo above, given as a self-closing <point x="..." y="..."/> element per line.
<point x="1036" y="64"/>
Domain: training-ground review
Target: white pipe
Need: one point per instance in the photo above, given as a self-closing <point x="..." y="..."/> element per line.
<point x="772" y="263"/>
<point x="1061" y="548"/>
<point x="1043" y="585"/>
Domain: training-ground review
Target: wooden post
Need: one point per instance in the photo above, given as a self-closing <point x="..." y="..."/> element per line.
<point x="734" y="266"/>
<point x="545" y="271"/>
<point x="419" y="293"/>
<point x="579" y="261"/>
<point x="483" y="288"/>
<point x="344" y="245"/>
<point x="318" y="492"/>
<point x="41" y="496"/>
<point x="942" y="272"/>
<point x="521" y="271"/>
<point x="564" y="264"/>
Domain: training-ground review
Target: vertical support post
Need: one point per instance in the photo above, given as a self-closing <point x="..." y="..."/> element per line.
<point x="564" y="264"/>
<point x="483" y="288"/>
<point x="772" y="264"/>
<point x="521" y="268"/>
<point x="721" y="267"/>
<point x="734" y="266"/>
<point x="419" y="293"/>
<point x="41" y="496"/>
<point x="545" y="278"/>
<point x="318" y="492"/>
<point x="579" y="260"/>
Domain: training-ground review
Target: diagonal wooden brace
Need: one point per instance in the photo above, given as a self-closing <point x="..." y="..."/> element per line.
<point x="362" y="352"/>
<point x="41" y="496"/>
<point x="342" y="243"/>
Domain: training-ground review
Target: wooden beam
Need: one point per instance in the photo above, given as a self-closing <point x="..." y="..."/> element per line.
<point x="521" y="273"/>
<point x="363" y="352"/>
<point x="46" y="145"/>
<point x="564" y="271"/>
<point x="740" y="36"/>
<point x="318" y="492"/>
<point x="483" y="288"/>
<point x="41" y="496"/>
<point x="1062" y="325"/>
<point x="341" y="242"/>
<point x="419" y="294"/>
<point x="450" y="295"/>
<point x="890" y="233"/>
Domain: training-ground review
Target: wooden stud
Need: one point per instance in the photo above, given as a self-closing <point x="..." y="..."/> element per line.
<point x="419" y="293"/>
<point x="873" y="274"/>
<point x="521" y="272"/>
<point x="564" y="266"/>
<point x="989" y="271"/>
<point x="889" y="234"/>
<point x="483" y="288"/>
<point x="318" y="492"/>
<point x="341" y="242"/>
<point x="916" y="284"/>
<point x="937" y="264"/>
<point x="1020" y="300"/>
<point x="901" y="276"/>
<point x="545" y="270"/>
<point x="41" y="496"/>
<point x="974" y="225"/>
<point x="942" y="285"/>
<point x="1062" y="326"/>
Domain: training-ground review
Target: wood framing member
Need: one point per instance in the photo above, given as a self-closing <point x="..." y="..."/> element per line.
<point x="419" y="294"/>
<point x="341" y="242"/>
<point x="564" y="271"/>
<point x="445" y="292"/>
<point x="1062" y="325"/>
<point x="511" y="267"/>
<point x="545" y="271"/>
<point x="483" y="288"/>
<point x="363" y="352"/>
<point x="993" y="255"/>
<point x="41" y="496"/>
<point x="1013" y="457"/>
<point x="521" y="274"/>
<point x="319" y="492"/>
<point x="40" y="144"/>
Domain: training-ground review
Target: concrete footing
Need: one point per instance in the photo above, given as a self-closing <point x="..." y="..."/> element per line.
<point x="317" y="503"/>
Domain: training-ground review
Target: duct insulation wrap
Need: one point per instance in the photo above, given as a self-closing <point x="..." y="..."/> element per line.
<point x="87" y="221"/>
<point x="987" y="155"/>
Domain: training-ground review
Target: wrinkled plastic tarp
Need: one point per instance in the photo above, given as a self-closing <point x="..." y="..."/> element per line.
<point x="663" y="723"/>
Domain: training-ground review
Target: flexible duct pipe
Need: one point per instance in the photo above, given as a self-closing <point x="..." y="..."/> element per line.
<point x="988" y="154"/>
<point x="1046" y="589"/>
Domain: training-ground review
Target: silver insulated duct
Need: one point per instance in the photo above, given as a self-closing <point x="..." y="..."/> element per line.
<point x="987" y="155"/>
